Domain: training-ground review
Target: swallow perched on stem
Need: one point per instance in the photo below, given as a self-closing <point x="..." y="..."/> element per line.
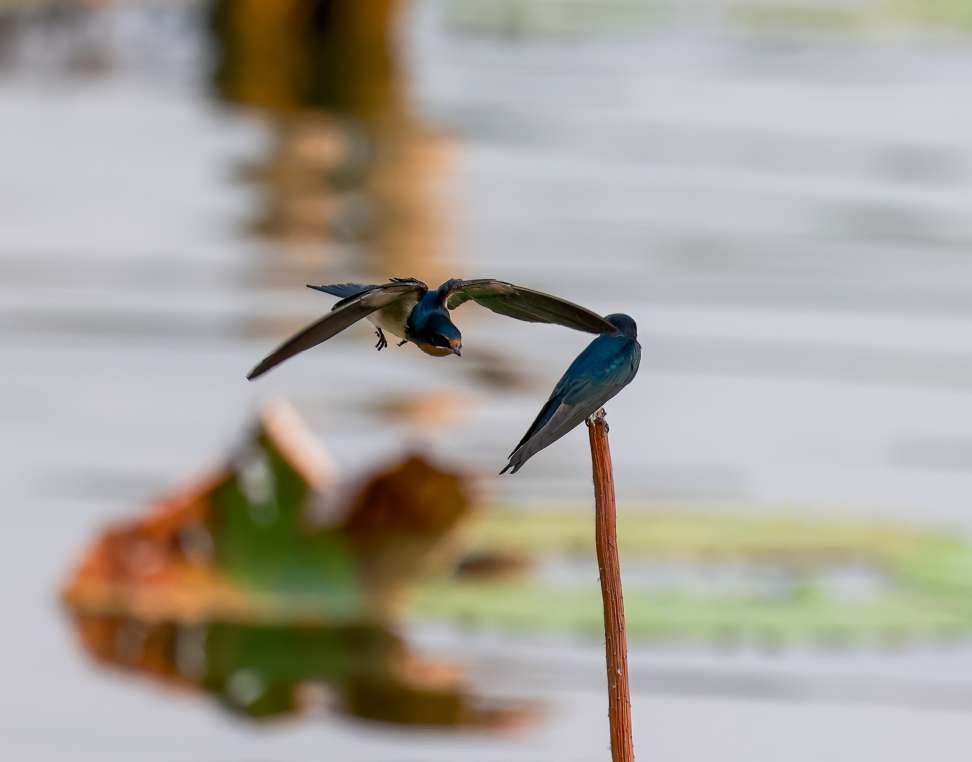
<point x="603" y="369"/>
<point x="409" y="309"/>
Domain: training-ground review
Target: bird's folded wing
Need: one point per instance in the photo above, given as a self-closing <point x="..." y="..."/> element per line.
<point x="335" y="322"/>
<point x="526" y="304"/>
<point x="554" y="406"/>
<point x="573" y="399"/>
<point x="560" y="419"/>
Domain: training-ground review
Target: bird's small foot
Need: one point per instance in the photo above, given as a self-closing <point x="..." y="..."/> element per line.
<point x="599" y="417"/>
<point x="402" y="343"/>
<point x="382" y="341"/>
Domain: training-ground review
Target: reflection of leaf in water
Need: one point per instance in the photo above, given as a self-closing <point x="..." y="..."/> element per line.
<point x="265" y="671"/>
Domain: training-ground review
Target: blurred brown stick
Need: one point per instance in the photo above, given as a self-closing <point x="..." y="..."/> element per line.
<point x="609" y="569"/>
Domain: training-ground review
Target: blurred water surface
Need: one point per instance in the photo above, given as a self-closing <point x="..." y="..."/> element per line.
<point x="785" y="212"/>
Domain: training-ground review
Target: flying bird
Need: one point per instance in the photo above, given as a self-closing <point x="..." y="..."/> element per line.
<point x="603" y="369"/>
<point x="409" y="309"/>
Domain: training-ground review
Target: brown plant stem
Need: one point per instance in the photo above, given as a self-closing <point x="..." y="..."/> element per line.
<point x="609" y="569"/>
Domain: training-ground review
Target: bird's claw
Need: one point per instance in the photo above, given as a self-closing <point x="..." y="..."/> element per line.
<point x="382" y="341"/>
<point x="402" y="343"/>
<point x="599" y="417"/>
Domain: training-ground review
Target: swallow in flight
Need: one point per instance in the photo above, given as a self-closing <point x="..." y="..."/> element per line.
<point x="603" y="369"/>
<point x="409" y="309"/>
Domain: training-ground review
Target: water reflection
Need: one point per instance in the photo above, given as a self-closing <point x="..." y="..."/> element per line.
<point x="743" y="193"/>
<point x="351" y="179"/>
<point x="266" y="579"/>
<point x="268" y="671"/>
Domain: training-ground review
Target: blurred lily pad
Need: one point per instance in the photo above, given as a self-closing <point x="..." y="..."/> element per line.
<point x="274" y="535"/>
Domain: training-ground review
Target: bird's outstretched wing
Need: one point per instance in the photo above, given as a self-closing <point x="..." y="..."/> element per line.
<point x="525" y="304"/>
<point x="598" y="374"/>
<point x="351" y="310"/>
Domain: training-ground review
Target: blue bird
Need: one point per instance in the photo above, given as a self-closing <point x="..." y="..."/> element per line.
<point x="409" y="309"/>
<point x="603" y="369"/>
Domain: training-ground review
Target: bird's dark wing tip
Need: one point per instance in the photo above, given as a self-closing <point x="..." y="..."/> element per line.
<point x="258" y="371"/>
<point x="508" y="467"/>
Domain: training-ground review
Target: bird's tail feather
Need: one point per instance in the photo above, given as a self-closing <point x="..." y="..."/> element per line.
<point x="344" y="290"/>
<point x="340" y="289"/>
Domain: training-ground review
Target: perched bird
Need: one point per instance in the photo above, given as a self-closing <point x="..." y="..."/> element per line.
<point x="603" y="369"/>
<point x="409" y="309"/>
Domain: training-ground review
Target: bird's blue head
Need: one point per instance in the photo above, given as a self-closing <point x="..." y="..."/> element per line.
<point x="440" y="337"/>
<point x="624" y="323"/>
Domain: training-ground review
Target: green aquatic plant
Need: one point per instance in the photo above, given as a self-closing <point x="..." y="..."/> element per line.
<point x="918" y="579"/>
<point x="855" y="17"/>
<point x="554" y="18"/>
